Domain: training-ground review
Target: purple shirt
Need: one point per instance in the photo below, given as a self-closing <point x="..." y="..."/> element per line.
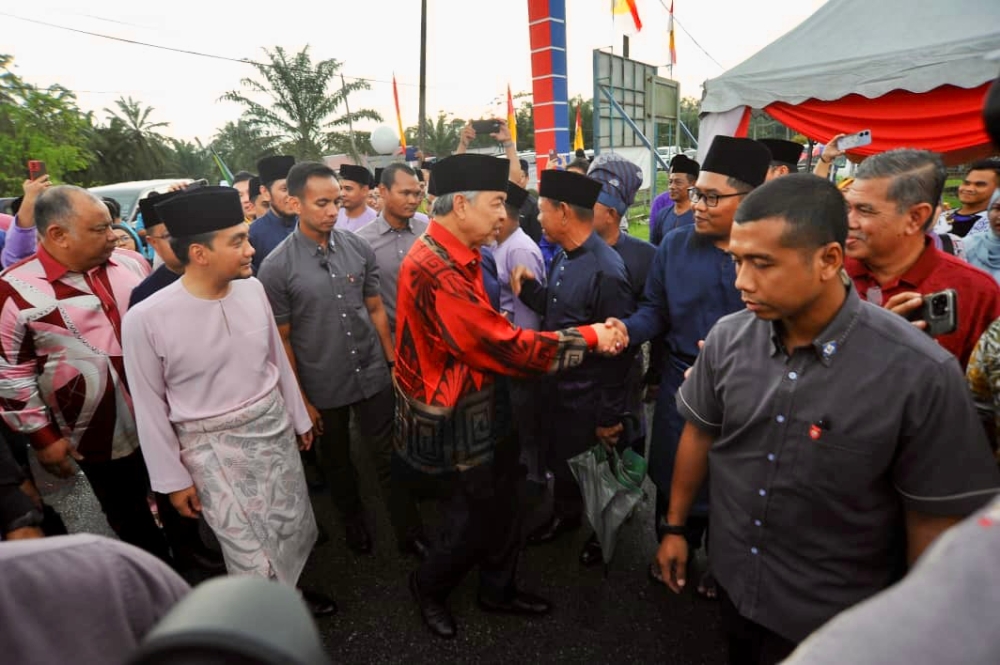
<point x="352" y="224"/>
<point x="659" y="203"/>
<point x="21" y="243"/>
<point x="518" y="249"/>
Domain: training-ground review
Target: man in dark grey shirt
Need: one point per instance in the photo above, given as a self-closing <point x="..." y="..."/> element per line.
<point x="323" y="285"/>
<point x="841" y="439"/>
<point x="395" y="230"/>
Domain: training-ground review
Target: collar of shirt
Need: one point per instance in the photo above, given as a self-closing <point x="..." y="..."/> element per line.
<point x="918" y="272"/>
<point x="462" y="255"/>
<point x="384" y="226"/>
<point x="587" y="246"/>
<point x="828" y="342"/>
<point x="331" y="243"/>
<point x="54" y="270"/>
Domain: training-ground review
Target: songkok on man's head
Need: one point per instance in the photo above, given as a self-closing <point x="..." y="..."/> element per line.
<point x="147" y="207"/>
<point x="684" y="164"/>
<point x="785" y="153"/>
<point x="744" y="159"/>
<point x="469" y="173"/>
<point x="201" y="211"/>
<point x="275" y="168"/>
<point x="620" y="179"/>
<point x="354" y="173"/>
<point x="516" y="195"/>
<point x="253" y="188"/>
<point x="569" y="187"/>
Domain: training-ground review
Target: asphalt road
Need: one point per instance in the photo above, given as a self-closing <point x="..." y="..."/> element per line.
<point x="621" y="618"/>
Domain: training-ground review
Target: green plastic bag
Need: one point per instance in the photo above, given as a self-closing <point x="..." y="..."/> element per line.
<point x="611" y="486"/>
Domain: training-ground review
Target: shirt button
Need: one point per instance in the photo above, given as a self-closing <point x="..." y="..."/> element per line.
<point x="562" y="268"/>
<point x="558" y="283"/>
<point x="348" y="333"/>
<point x="339" y="296"/>
<point x="555" y="299"/>
<point x="358" y="369"/>
<point x="353" y="351"/>
<point x="770" y="456"/>
<point x="793" y="375"/>
<point x="780" y="419"/>
<point x="762" y="492"/>
<point x="344" y="315"/>
<point x="754" y="551"/>
<point x="757" y="522"/>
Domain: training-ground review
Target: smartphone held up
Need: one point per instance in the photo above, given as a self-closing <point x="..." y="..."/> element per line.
<point x="856" y="140"/>
<point x="36" y="169"/>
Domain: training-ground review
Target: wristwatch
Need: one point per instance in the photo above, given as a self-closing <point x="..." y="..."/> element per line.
<point x="671" y="529"/>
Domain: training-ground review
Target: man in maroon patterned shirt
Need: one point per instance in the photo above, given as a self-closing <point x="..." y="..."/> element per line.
<point x="62" y="373"/>
<point x="450" y="343"/>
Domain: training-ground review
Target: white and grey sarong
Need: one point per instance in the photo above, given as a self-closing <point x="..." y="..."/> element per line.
<point x="248" y="474"/>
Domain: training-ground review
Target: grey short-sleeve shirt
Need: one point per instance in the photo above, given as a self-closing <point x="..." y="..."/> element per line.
<point x="818" y="454"/>
<point x="390" y="246"/>
<point x="322" y="294"/>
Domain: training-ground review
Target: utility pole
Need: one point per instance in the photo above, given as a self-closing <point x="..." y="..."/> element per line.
<point x="422" y="117"/>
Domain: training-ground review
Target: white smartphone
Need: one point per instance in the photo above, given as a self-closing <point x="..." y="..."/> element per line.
<point x="856" y="140"/>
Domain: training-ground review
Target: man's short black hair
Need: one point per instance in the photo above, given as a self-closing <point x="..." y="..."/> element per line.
<point x="986" y="165"/>
<point x="301" y="172"/>
<point x="114" y="207"/>
<point x="182" y="245"/>
<point x="389" y="173"/>
<point x="241" y="176"/>
<point x="813" y="208"/>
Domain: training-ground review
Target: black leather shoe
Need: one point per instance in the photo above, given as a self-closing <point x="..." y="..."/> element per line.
<point x="435" y="614"/>
<point x="521" y="603"/>
<point x="591" y="554"/>
<point x="319" y="604"/>
<point x="553" y="529"/>
<point x="416" y="546"/>
<point x="358" y="538"/>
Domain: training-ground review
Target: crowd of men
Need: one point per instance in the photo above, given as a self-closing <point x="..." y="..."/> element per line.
<point x="806" y="430"/>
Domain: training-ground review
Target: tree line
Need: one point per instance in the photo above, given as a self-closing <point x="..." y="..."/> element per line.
<point x="291" y="105"/>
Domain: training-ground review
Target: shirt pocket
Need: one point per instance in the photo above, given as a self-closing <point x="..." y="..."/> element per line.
<point x="350" y="288"/>
<point x="833" y="467"/>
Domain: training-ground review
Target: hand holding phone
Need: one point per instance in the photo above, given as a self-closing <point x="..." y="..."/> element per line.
<point x="36" y="169"/>
<point x="856" y="140"/>
<point x="486" y="126"/>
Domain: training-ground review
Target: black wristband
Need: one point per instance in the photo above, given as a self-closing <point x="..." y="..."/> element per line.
<point x="671" y="529"/>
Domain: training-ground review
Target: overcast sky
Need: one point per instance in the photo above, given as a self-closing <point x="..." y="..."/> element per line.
<point x="475" y="48"/>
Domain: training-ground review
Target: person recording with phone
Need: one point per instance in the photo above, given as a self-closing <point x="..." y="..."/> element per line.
<point x="20" y="241"/>
<point x="893" y="261"/>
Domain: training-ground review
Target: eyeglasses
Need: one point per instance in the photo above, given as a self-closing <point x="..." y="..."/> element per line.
<point x="165" y="236"/>
<point x="711" y="200"/>
<point x="122" y="240"/>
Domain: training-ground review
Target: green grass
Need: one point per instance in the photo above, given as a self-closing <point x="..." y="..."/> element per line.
<point x="951" y="192"/>
<point x="638" y="213"/>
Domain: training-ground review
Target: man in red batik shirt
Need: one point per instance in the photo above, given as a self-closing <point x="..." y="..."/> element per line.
<point x="449" y="344"/>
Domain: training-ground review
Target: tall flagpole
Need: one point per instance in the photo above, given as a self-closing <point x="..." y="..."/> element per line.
<point x="422" y="118"/>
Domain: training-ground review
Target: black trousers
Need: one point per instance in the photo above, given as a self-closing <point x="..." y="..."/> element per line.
<point x="750" y="643"/>
<point x="375" y="419"/>
<point x="572" y="430"/>
<point x="122" y="488"/>
<point x="481" y="524"/>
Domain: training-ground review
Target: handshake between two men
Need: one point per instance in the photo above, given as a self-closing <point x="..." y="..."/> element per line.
<point x="612" y="336"/>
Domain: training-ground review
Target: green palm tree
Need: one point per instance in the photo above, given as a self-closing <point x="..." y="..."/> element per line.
<point x="440" y="135"/>
<point x="302" y="100"/>
<point x="148" y="148"/>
